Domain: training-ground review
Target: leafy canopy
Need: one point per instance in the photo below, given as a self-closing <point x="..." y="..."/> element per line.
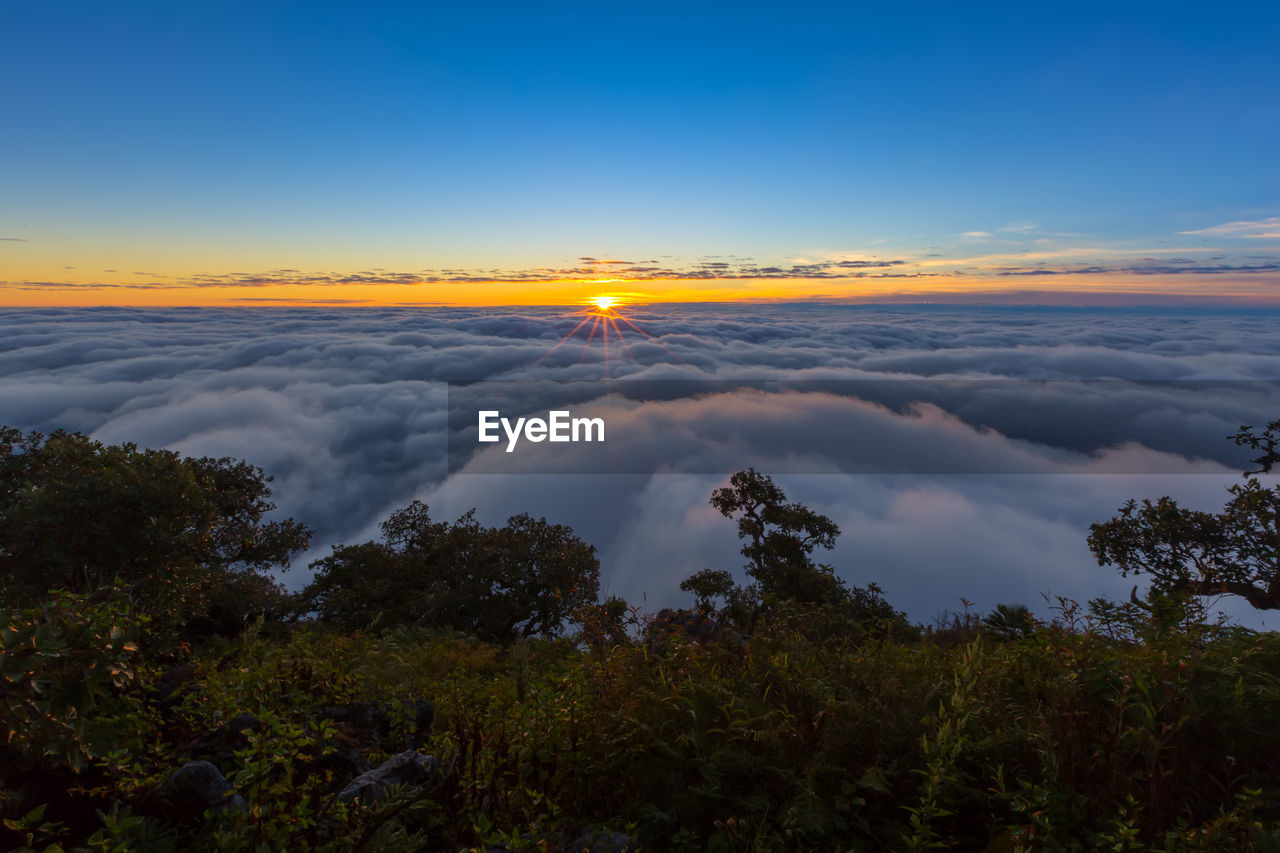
<point x="1190" y="552"/>
<point x="1268" y="441"/>
<point x="187" y="537"/>
<point x="779" y="539"/>
<point x="499" y="583"/>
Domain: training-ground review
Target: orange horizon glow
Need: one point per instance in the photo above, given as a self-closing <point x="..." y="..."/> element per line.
<point x="1082" y="290"/>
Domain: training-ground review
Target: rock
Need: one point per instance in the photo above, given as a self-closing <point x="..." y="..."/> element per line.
<point x="221" y="744"/>
<point x="603" y="841"/>
<point x="424" y="714"/>
<point x="407" y="768"/>
<point x="176" y="676"/>
<point x="198" y="786"/>
<point x="241" y="723"/>
<point x="343" y="762"/>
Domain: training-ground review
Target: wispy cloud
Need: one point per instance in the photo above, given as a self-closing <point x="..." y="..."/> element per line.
<point x="1174" y="266"/>
<point x="1256" y="229"/>
<point x="975" y="256"/>
<point x="703" y="269"/>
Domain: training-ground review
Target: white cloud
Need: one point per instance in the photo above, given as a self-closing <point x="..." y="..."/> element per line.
<point x="346" y="408"/>
<point x="1258" y="229"/>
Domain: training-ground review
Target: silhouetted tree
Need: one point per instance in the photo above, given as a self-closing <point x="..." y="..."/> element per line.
<point x="1009" y="621"/>
<point x="708" y="585"/>
<point x="779" y="540"/>
<point x="1185" y="551"/>
<point x="186" y="537"/>
<point x="606" y="623"/>
<point x="1267" y="441"/>
<point x="524" y="579"/>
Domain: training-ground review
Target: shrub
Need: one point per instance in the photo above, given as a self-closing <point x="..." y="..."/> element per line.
<point x="522" y="580"/>
<point x="187" y="537"/>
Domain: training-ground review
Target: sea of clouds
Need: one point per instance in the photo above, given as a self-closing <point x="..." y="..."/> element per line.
<point x="1075" y="412"/>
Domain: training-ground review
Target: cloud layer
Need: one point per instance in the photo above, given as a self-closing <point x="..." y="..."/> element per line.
<point x="347" y="407"/>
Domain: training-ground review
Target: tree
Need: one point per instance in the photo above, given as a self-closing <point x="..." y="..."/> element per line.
<point x="1184" y="551"/>
<point x="524" y="579"/>
<point x="708" y="585"/>
<point x="779" y="538"/>
<point x="606" y="623"/>
<point x="186" y="536"/>
<point x="1009" y="621"/>
<point x="1267" y="441"/>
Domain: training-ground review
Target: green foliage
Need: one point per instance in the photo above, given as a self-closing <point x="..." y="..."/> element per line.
<point x="779" y="539"/>
<point x="709" y="585"/>
<point x="186" y="536"/>
<point x="74" y="689"/>
<point x="833" y="726"/>
<point x="70" y="680"/>
<point x="1268" y="441"/>
<point x="1234" y="552"/>
<point x="1192" y="553"/>
<point x="606" y="623"/>
<point x="1071" y="737"/>
<point x="522" y="580"/>
<point x="1009" y="621"/>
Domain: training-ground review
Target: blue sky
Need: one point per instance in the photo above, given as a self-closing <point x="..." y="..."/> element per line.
<point x="177" y="139"/>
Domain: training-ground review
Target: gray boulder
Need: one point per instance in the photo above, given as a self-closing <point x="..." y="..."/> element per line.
<point x="407" y="768"/>
<point x="198" y="786"/>
<point x="176" y="676"/>
<point x="220" y="745"/>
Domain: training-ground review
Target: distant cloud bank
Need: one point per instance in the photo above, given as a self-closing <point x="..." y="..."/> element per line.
<point x="347" y="407"/>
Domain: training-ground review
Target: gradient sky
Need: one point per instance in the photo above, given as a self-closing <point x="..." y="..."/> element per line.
<point x="192" y="153"/>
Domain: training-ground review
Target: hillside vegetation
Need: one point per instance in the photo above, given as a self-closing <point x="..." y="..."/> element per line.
<point x="459" y="687"/>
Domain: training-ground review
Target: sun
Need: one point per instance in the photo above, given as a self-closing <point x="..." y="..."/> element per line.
<point x="600" y="322"/>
